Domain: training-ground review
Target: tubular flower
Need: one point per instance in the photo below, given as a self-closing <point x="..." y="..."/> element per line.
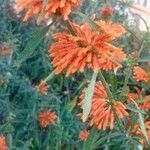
<point x="113" y="30"/>
<point x="3" y="143"/>
<point x="42" y="88"/>
<point x="140" y="74"/>
<point x="139" y="133"/>
<point x="102" y="112"/>
<point x="46" y="118"/>
<point x="86" y="49"/>
<point x="46" y="7"/>
<point x="107" y="11"/>
<point x="84" y="135"/>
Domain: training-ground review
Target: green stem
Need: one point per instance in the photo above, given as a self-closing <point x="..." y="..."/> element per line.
<point x="133" y="34"/>
<point x="90" y="141"/>
<point x="121" y="126"/>
<point x="10" y="141"/>
<point x="70" y="27"/>
<point x="80" y="87"/>
<point x="50" y="76"/>
<point x="111" y="99"/>
<point x="129" y="71"/>
<point x="110" y="96"/>
<point x="141" y="47"/>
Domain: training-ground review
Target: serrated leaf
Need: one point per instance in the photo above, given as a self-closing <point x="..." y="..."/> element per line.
<point x="31" y="46"/>
<point x="88" y="96"/>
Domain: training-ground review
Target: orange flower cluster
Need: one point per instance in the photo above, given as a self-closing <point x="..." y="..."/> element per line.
<point x="139" y="133"/>
<point x="141" y="75"/>
<point x="46" y="118"/>
<point x="102" y="112"/>
<point x="42" y="88"/>
<point x="107" y="11"/>
<point x="113" y="30"/>
<point x="46" y="7"/>
<point x="84" y="135"/>
<point x="137" y="97"/>
<point x="3" y="143"/>
<point x="5" y="50"/>
<point x="87" y="49"/>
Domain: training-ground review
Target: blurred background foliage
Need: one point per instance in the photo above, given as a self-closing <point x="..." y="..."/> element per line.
<point x="20" y="103"/>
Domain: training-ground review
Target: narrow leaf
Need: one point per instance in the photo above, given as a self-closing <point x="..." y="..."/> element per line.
<point x="144" y="59"/>
<point x="88" y="144"/>
<point x="135" y="110"/>
<point x="141" y="120"/>
<point x="89" y="20"/>
<point x="31" y="46"/>
<point x="142" y="125"/>
<point x="70" y="105"/>
<point x="105" y="138"/>
<point x="88" y="97"/>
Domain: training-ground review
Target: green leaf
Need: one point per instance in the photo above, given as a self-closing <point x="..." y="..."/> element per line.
<point x="10" y="139"/>
<point x="91" y="139"/>
<point x="144" y="59"/>
<point x="70" y="105"/>
<point x="88" y="97"/>
<point x="87" y="19"/>
<point x="50" y="76"/>
<point x="105" y="138"/>
<point x="142" y="125"/>
<point x="141" y="120"/>
<point x="9" y="128"/>
<point x="31" y="46"/>
<point x="135" y="110"/>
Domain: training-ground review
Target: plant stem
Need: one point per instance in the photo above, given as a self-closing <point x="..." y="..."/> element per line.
<point x="50" y="76"/>
<point x="129" y="71"/>
<point x="70" y="27"/>
<point x="121" y="126"/>
<point x="110" y="96"/>
<point x="10" y="141"/>
<point x="111" y="99"/>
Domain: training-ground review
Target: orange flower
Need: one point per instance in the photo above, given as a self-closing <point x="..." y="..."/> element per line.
<point x="107" y="11"/>
<point x="86" y="49"/>
<point x="140" y="74"/>
<point x="84" y="135"/>
<point x="102" y="112"/>
<point x="37" y="7"/>
<point x="42" y="88"/>
<point x="113" y="30"/>
<point x="46" y="118"/>
<point x="3" y="143"/>
<point x="137" y="97"/>
<point x="5" y="50"/>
